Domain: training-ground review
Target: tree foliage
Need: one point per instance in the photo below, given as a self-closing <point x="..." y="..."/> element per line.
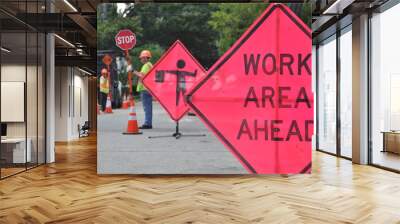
<point x="165" y="23"/>
<point x="230" y="20"/>
<point x="108" y="28"/>
<point x="207" y="30"/>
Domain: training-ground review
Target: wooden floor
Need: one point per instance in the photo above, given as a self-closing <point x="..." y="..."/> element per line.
<point x="70" y="191"/>
<point x="5" y="172"/>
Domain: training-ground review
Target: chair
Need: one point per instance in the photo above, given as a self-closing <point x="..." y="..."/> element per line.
<point x="84" y="130"/>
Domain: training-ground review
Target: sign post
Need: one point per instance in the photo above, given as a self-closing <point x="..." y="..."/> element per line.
<point x="257" y="98"/>
<point x="107" y="60"/>
<point x="175" y="73"/>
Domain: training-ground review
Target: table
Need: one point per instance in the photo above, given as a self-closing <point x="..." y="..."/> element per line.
<point x="391" y="141"/>
<point x="13" y="150"/>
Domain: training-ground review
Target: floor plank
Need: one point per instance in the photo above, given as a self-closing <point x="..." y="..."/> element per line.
<point x="70" y="191"/>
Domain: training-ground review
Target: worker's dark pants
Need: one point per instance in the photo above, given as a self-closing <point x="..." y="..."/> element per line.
<point x="103" y="100"/>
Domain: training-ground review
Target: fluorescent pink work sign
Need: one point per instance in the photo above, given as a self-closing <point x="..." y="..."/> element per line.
<point x="174" y="74"/>
<point x="257" y="98"/>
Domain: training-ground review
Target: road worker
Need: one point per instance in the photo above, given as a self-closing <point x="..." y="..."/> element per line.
<point x="104" y="88"/>
<point x="146" y="97"/>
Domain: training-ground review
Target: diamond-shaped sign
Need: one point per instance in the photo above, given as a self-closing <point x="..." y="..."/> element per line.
<point x="107" y="59"/>
<point x="174" y="74"/>
<point x="257" y="97"/>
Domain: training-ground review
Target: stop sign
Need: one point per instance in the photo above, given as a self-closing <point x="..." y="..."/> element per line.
<point x="125" y="39"/>
<point x="257" y="97"/>
<point x="174" y="74"/>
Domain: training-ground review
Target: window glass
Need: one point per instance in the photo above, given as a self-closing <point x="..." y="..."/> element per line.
<point x="314" y="80"/>
<point x="346" y="94"/>
<point x="15" y="149"/>
<point x="327" y="96"/>
<point x="385" y="84"/>
<point x="22" y="89"/>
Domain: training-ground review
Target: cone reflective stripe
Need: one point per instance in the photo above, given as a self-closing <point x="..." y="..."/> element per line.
<point x="132" y="128"/>
<point x="132" y="117"/>
<point x="108" y="106"/>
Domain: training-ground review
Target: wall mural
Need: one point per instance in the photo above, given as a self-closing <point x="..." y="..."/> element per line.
<point x="218" y="88"/>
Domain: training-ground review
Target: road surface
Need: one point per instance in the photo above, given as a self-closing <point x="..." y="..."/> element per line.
<point x="137" y="154"/>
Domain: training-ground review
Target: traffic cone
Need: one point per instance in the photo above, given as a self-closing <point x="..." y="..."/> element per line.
<point x="125" y="104"/>
<point x="108" y="106"/>
<point x="133" y="128"/>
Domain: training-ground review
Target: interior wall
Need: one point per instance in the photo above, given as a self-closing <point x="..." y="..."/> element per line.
<point x="16" y="72"/>
<point x="71" y="102"/>
<point x="61" y="103"/>
<point x="80" y="105"/>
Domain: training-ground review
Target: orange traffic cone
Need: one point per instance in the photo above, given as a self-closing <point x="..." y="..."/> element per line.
<point x="133" y="128"/>
<point x="125" y="104"/>
<point x="108" y="106"/>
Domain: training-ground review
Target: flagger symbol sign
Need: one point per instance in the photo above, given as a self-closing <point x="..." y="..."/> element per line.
<point x="180" y="79"/>
<point x="172" y="77"/>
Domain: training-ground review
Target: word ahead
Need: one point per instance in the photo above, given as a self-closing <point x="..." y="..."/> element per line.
<point x="125" y="39"/>
<point x="257" y="97"/>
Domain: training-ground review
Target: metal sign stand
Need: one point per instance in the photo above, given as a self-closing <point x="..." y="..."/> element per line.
<point x="180" y="88"/>
<point x="178" y="134"/>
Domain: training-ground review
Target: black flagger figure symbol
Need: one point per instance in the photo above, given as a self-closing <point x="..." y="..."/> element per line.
<point x="180" y="78"/>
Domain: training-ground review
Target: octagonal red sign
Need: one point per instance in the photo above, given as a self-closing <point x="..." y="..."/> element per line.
<point x="257" y="98"/>
<point x="176" y="72"/>
<point x="125" y="39"/>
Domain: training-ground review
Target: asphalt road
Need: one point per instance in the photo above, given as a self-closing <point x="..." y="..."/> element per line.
<point x="138" y="154"/>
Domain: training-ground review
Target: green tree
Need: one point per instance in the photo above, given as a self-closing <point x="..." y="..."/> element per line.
<point x="230" y="20"/>
<point x="306" y="14"/>
<point x="165" y="23"/>
<point x="109" y="22"/>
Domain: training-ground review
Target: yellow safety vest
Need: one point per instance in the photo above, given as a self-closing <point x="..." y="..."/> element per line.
<point x="145" y="69"/>
<point x="104" y="85"/>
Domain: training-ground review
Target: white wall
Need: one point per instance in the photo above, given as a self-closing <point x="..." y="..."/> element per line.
<point x="61" y="103"/>
<point x="33" y="126"/>
<point x="12" y="73"/>
<point x="80" y="109"/>
<point x="71" y="102"/>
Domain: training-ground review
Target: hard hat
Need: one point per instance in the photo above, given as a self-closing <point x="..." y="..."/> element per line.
<point x="145" y="53"/>
<point x="104" y="71"/>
